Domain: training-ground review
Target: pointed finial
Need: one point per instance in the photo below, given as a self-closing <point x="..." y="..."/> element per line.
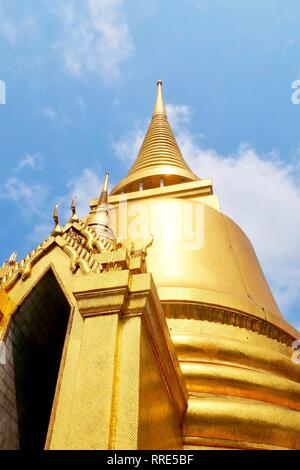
<point x="74" y="217"/>
<point x="159" y="107"/>
<point x="99" y="217"/>
<point x="103" y="199"/>
<point x="55" y="214"/>
<point x="12" y="259"/>
<point x="159" y="160"/>
<point x="57" y="229"/>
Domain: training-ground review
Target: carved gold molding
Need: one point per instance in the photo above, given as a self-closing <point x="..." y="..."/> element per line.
<point x="87" y="252"/>
<point x="226" y="317"/>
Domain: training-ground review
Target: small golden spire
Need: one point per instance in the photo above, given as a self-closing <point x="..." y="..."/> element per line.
<point x="159" y="107"/>
<point x="12" y="259"/>
<point x="57" y="228"/>
<point x="103" y="199"/>
<point x="74" y="217"/>
<point x="99" y="217"/>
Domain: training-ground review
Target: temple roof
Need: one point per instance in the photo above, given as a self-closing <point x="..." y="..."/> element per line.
<point x="159" y="161"/>
<point x="88" y="250"/>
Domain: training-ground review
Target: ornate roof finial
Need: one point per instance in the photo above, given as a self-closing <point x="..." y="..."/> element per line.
<point x="159" y="107"/>
<point x="159" y="162"/>
<point x="57" y="228"/>
<point x="99" y="217"/>
<point x="103" y="199"/>
<point x="74" y="217"/>
<point x="12" y="259"/>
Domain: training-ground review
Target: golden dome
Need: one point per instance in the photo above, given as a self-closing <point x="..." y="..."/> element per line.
<point x="159" y="161"/>
<point x="222" y="271"/>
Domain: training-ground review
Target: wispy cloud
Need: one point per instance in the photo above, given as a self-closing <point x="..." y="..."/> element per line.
<point x="40" y="232"/>
<point x="12" y="28"/>
<point x="179" y="115"/>
<point x="49" y="112"/>
<point x="8" y="29"/>
<point x="29" y="197"/>
<point x="56" y="115"/>
<point x="33" y="161"/>
<point x="127" y="147"/>
<point x="96" y="37"/>
<point x="80" y="102"/>
<point x="260" y="192"/>
<point x="85" y="187"/>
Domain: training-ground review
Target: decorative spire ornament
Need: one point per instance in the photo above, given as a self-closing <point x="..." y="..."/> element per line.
<point x="99" y="217"/>
<point x="74" y="217"/>
<point x="103" y="198"/>
<point x="57" y="228"/>
<point x="159" y="106"/>
<point x="159" y="162"/>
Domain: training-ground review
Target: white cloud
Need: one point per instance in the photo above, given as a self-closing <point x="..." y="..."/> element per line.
<point x="49" y="112"/>
<point x="80" y="103"/>
<point x="29" y="197"/>
<point x="40" y="232"/>
<point x="178" y="115"/>
<point x="127" y="148"/>
<point x="8" y="29"/>
<point x="96" y="37"/>
<point x="55" y="115"/>
<point x="11" y="29"/>
<point x="85" y="187"/>
<point x="32" y="161"/>
<point x="260" y="192"/>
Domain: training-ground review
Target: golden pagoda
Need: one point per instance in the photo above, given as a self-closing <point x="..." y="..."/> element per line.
<point x="148" y="324"/>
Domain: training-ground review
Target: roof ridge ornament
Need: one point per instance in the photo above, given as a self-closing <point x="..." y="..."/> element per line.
<point x="57" y="228"/>
<point x="74" y="217"/>
<point x="103" y="198"/>
<point x="98" y="218"/>
<point x="12" y="259"/>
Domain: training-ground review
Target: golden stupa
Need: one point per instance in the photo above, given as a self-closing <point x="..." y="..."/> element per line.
<point x="149" y="324"/>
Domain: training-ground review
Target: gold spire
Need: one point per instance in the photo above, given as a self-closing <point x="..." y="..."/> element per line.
<point x="74" y="217"/>
<point x="57" y="228"/>
<point x="159" y="107"/>
<point x="104" y="193"/>
<point x="99" y="217"/>
<point x="159" y="161"/>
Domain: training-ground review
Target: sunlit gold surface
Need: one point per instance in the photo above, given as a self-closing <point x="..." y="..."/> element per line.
<point x="232" y="342"/>
<point x="224" y="271"/>
<point x="237" y="421"/>
<point x="121" y="350"/>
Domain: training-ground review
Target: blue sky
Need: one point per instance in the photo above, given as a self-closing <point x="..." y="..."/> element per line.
<point x="80" y="82"/>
